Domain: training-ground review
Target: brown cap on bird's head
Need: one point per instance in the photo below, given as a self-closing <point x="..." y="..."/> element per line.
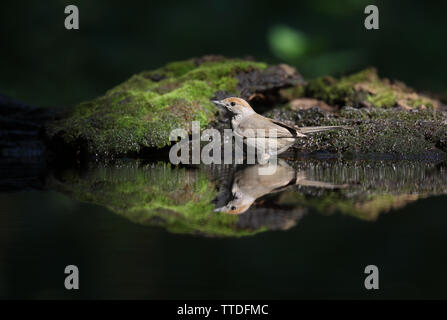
<point x="239" y="101"/>
<point x="232" y="209"/>
<point x="235" y="105"/>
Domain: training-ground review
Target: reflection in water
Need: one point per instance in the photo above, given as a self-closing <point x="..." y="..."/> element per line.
<point x="249" y="184"/>
<point x="375" y="186"/>
<point x="183" y="200"/>
<point x="178" y="199"/>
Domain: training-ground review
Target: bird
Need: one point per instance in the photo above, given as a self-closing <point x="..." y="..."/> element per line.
<point x="249" y="185"/>
<point x="275" y="135"/>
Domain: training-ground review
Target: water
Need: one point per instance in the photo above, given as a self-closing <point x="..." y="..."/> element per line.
<point x="141" y="229"/>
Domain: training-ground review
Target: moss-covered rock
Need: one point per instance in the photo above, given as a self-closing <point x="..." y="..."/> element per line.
<point x="141" y="112"/>
<point x="363" y="89"/>
<point x="387" y="118"/>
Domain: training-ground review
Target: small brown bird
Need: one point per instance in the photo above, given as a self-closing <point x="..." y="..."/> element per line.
<point x="277" y="136"/>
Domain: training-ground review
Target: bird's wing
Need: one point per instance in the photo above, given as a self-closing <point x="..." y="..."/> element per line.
<point x="248" y="128"/>
<point x="293" y="130"/>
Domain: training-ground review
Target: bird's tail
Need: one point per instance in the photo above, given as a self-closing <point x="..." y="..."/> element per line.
<point x="320" y="129"/>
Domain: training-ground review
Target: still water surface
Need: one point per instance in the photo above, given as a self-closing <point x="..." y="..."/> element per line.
<point x="150" y="230"/>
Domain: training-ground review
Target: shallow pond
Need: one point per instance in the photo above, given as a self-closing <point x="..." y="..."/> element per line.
<point x="145" y="229"/>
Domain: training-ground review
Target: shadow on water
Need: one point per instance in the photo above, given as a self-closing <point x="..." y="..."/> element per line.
<point x="233" y="201"/>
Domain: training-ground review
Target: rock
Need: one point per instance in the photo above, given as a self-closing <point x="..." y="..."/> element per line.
<point x="388" y="119"/>
<point x="141" y="112"/>
<point x="362" y="89"/>
<point x="20" y="127"/>
<point x="308" y="103"/>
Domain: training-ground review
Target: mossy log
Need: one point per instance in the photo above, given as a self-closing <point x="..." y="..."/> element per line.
<point x="387" y="118"/>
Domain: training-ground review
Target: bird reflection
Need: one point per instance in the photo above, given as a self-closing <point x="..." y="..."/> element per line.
<point x="250" y="184"/>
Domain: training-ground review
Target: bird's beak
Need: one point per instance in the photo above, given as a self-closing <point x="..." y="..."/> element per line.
<point x="218" y="103"/>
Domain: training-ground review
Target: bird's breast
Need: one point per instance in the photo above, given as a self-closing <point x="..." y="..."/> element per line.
<point x="235" y="121"/>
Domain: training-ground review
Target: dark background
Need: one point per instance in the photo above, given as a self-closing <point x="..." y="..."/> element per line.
<point x="42" y="63"/>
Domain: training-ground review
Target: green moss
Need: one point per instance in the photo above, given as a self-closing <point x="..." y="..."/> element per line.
<point x="142" y="111"/>
<point x="179" y="68"/>
<point x="384" y="99"/>
<point x="293" y="92"/>
<point x="179" y="200"/>
<point x="365" y="88"/>
<point x="362" y="207"/>
<point x="329" y="203"/>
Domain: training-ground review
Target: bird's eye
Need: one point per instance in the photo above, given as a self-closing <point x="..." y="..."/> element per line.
<point x="233" y="104"/>
<point x="233" y="208"/>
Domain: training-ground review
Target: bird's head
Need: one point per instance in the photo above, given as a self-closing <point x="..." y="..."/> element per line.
<point x="235" y="105"/>
<point x="239" y="204"/>
<point x="233" y="207"/>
